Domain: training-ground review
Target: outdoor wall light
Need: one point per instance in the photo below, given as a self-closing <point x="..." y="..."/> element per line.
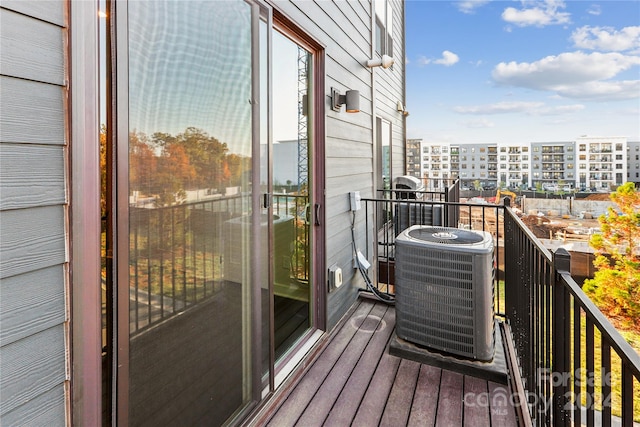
<point x="402" y="109"/>
<point x="386" y="61"/>
<point x="350" y="99"/>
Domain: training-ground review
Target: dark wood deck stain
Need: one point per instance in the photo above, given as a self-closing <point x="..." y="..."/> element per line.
<point x="355" y="381"/>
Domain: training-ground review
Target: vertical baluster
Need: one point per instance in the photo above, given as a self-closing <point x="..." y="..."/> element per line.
<point x="173" y="259"/>
<point x="590" y="378"/>
<point x="627" y="396"/>
<point x="577" y="364"/>
<point x="162" y="246"/>
<point x="606" y="381"/>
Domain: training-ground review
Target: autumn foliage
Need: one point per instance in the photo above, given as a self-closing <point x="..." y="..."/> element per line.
<point x="615" y="287"/>
<point x="164" y="166"/>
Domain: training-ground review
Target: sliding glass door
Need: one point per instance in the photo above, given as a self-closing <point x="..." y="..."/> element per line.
<point x="194" y="255"/>
<point x="213" y="208"/>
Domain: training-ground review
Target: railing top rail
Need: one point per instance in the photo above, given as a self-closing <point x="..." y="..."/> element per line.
<point x="435" y="202"/>
<point x="617" y="341"/>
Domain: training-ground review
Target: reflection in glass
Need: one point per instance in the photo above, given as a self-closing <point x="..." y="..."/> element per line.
<point x="190" y="148"/>
<point x="291" y="183"/>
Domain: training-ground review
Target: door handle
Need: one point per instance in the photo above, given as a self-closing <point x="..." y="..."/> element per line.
<point x="266" y="200"/>
<point x="316" y="216"/>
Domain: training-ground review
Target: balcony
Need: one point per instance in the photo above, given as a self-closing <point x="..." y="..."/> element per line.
<point x="556" y="343"/>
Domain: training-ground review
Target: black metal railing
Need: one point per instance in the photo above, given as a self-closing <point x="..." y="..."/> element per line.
<point x="565" y="346"/>
<point x="575" y="367"/>
<point x="177" y="253"/>
<point x="175" y="257"/>
<point x="396" y="210"/>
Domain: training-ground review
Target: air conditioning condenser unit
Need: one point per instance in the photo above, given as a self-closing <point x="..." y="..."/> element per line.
<point x="444" y="290"/>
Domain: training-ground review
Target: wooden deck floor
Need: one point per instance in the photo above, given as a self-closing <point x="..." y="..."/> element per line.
<point x="354" y="381"/>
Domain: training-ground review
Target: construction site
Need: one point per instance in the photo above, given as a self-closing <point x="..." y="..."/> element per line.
<point x="567" y="223"/>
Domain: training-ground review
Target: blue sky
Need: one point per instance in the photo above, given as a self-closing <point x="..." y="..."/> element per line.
<point x="522" y="71"/>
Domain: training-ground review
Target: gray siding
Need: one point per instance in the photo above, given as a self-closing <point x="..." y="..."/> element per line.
<point x="345" y="29"/>
<point x="33" y="214"/>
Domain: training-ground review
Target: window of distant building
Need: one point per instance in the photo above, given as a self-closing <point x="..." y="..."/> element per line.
<point x="570" y="149"/>
<point x="536" y="149"/>
<point x="583" y="157"/>
<point x="618" y="156"/>
<point x="464" y="166"/>
<point x="482" y="150"/>
<point x="384" y="27"/>
<point x="582" y="147"/>
<point x="618" y="147"/>
<point x="503" y="149"/>
<point x="464" y="149"/>
<point x="618" y="166"/>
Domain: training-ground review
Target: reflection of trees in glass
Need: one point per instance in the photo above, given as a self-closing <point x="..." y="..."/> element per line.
<point x="164" y="166"/>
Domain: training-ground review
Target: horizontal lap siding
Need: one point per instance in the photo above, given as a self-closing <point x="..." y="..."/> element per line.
<point x="344" y="28"/>
<point x="33" y="213"/>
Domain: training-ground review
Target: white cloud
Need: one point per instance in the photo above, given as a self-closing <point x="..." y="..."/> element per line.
<point x="469" y="6"/>
<point x="448" y="59"/>
<point x="423" y="60"/>
<point x="544" y="13"/>
<point x="603" y="91"/>
<point x="529" y="108"/>
<point x="573" y="75"/>
<point x="594" y="10"/>
<point x="558" y="110"/>
<point x="499" y="108"/>
<point x="606" y="38"/>
<point x="478" y="124"/>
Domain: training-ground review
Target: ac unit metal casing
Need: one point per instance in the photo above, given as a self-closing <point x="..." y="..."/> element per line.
<point x="444" y="290"/>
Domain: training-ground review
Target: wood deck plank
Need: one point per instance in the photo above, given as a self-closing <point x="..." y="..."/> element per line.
<point x="346" y="405"/>
<point x="476" y="402"/>
<point x="375" y="399"/>
<point x="450" y="400"/>
<point x="317" y="411"/>
<point x="501" y="410"/>
<point x="425" y="400"/>
<point x="400" y="400"/>
<point x="356" y="382"/>
<point x="301" y="395"/>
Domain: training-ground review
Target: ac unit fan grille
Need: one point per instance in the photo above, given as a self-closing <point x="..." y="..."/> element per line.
<point x="446" y="236"/>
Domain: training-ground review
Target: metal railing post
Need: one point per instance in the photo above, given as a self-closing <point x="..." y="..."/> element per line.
<point x="560" y="337"/>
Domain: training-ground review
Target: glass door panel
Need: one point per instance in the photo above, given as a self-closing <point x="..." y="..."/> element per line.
<point x="191" y="211"/>
<point x="291" y="183"/>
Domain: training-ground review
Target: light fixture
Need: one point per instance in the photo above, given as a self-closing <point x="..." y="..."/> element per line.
<point x="402" y="109"/>
<point x="385" y="61"/>
<point x="351" y="100"/>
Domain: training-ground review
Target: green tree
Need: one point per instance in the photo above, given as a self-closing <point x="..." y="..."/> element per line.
<point x="476" y="185"/>
<point x="615" y="287"/>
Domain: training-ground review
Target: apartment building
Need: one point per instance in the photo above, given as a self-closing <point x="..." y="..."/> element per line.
<point x="588" y="163"/>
